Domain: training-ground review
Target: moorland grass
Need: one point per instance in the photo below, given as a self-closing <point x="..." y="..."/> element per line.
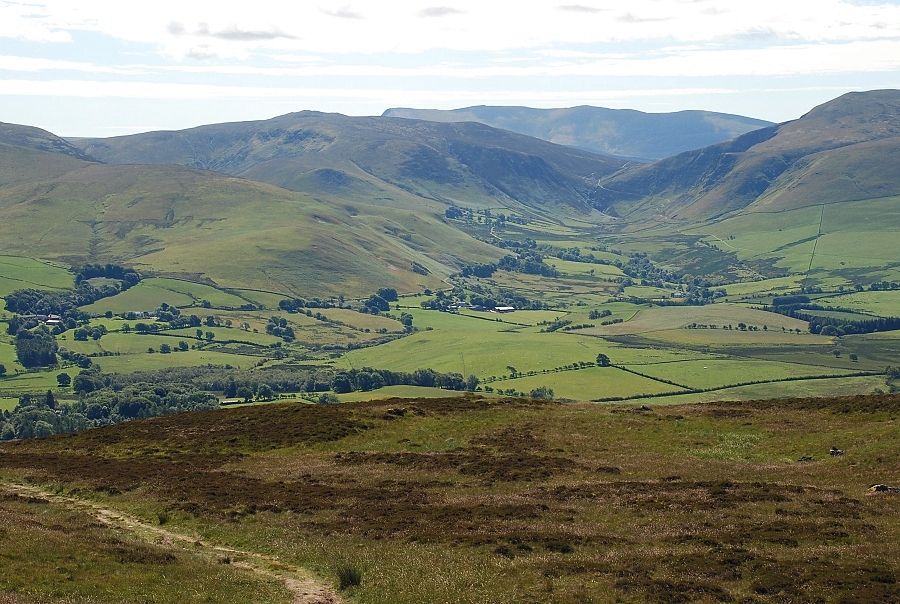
<point x="505" y="500"/>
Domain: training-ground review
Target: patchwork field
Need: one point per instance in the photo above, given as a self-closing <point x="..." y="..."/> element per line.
<point x="659" y="318"/>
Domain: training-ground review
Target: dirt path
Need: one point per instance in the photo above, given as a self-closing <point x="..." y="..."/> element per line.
<point x="305" y="589"/>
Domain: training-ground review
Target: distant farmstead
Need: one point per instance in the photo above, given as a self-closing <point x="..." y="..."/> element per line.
<point x="504" y="309"/>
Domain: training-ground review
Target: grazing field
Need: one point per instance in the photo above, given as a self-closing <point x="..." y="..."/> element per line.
<point x="879" y="303"/>
<point x="120" y="343"/>
<point x="149" y="361"/>
<point x="17" y="272"/>
<point x="735" y="338"/>
<point x="777" y="286"/>
<point x="713" y="373"/>
<point x="512" y="500"/>
<point x="471" y="345"/>
<point x="839" y="386"/>
<point x="659" y="318"/>
<point x="33" y="382"/>
<point x="589" y="384"/>
<point x="150" y="293"/>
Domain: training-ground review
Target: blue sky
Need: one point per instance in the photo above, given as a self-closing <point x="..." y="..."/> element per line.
<point x="102" y="68"/>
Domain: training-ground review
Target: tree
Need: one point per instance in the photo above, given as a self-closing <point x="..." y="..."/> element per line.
<point x="376" y="303"/>
<point x="36" y="348"/>
<point x="50" y="400"/>
<point x="199" y="333"/>
<point x="87" y="381"/>
<point x="2" y="370"/>
<point x="603" y="360"/>
<point x="210" y="336"/>
<point x="264" y="392"/>
<point x="182" y="345"/>
<point x="341" y="383"/>
<point x="388" y="293"/>
<point x="472" y="383"/>
<point x="165" y="348"/>
<point x="231" y="389"/>
<point x="64" y="380"/>
<point x="245" y="394"/>
<point x="542" y="393"/>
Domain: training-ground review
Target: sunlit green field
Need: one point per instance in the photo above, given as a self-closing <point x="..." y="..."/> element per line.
<point x="588" y="384"/>
<point x="150" y="293"/>
<point x="722" y="372"/>
<point x="880" y="303"/>
<point x="17" y="272"/>
<point x="192" y="358"/>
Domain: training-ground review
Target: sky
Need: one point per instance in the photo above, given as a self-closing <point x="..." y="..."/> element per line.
<point x="105" y="68"/>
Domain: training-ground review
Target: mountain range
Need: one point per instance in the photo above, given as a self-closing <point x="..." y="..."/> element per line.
<point x="312" y="202"/>
<point x="843" y="150"/>
<point x="467" y="164"/>
<point x="620" y="132"/>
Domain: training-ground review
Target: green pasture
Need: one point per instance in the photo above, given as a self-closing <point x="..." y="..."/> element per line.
<point x="734" y="337"/>
<point x="880" y="303"/>
<point x="585" y="270"/>
<point x="520" y="317"/>
<point x="659" y="318"/>
<point x="223" y="334"/>
<point x="468" y="345"/>
<point x="588" y="384"/>
<point x="267" y="300"/>
<point x="644" y="291"/>
<point x="359" y="320"/>
<point x="840" y="386"/>
<point x="18" y="272"/>
<point x="857" y="239"/>
<point x="776" y="285"/>
<point x="152" y="361"/>
<point x="37" y="381"/>
<point x="150" y="293"/>
<point x="711" y="373"/>
<point x="120" y="343"/>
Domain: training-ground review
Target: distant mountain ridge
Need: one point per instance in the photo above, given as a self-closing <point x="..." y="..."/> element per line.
<point x="30" y="137"/>
<point x="452" y="163"/>
<point x="845" y="149"/>
<point x="619" y="132"/>
<point x="203" y="225"/>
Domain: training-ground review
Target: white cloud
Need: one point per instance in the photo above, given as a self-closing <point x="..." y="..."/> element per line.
<point x="476" y="25"/>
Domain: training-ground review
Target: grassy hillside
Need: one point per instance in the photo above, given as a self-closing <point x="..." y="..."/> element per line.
<point x="464" y="164"/>
<point x="840" y="151"/>
<point x="467" y="500"/>
<point x="234" y="232"/>
<point x="622" y="132"/>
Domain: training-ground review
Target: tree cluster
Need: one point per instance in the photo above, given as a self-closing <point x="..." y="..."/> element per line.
<point x="42" y="416"/>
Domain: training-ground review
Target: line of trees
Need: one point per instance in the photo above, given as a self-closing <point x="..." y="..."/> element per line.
<point x="366" y="379"/>
<point x="40" y="416"/>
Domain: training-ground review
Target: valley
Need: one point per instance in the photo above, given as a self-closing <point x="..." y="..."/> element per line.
<point x="338" y="353"/>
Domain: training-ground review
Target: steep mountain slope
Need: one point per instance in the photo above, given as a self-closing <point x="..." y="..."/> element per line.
<point x="466" y="164"/>
<point x="622" y="132"/>
<point x="846" y="149"/>
<point x="204" y="225"/>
